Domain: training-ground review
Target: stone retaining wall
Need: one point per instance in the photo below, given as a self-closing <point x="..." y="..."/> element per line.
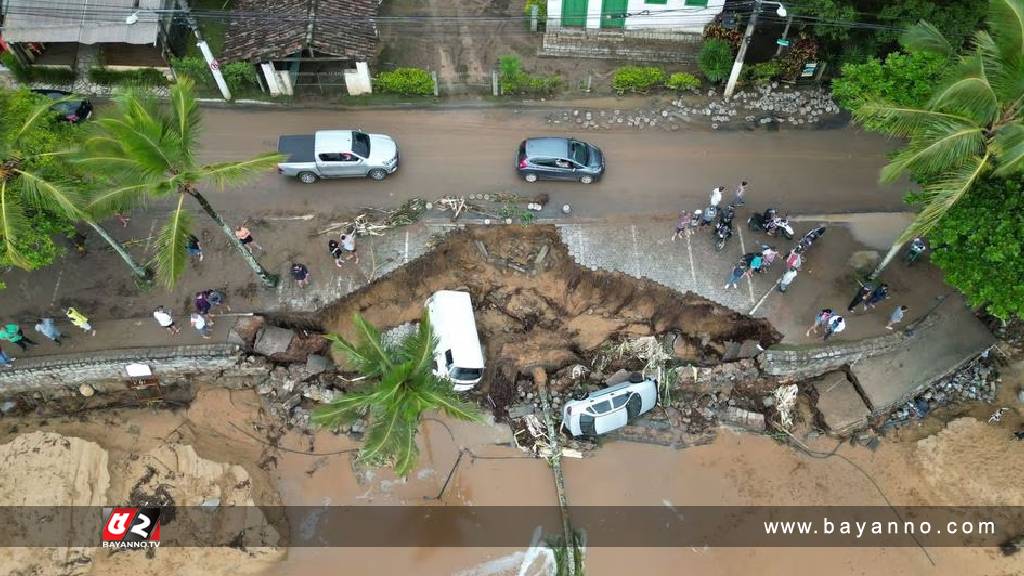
<point x="63" y="374"/>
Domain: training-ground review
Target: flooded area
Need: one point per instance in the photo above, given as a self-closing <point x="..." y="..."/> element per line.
<point x="968" y="463"/>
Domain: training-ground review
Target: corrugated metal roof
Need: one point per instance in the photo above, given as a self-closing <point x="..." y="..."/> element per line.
<point x="267" y="38"/>
<point x="82" y="21"/>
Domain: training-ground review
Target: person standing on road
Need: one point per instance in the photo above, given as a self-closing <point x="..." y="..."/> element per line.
<point x="820" y="321"/>
<point x="787" y="279"/>
<point x="203" y="305"/>
<point x="877" y="295"/>
<point x="193" y="247"/>
<point x="164" y="319"/>
<point x="200" y="324"/>
<point x="348" y="242"/>
<point x="768" y="254"/>
<point x="5" y="360"/>
<point x="682" y="225"/>
<point x="835" y="325"/>
<point x="244" y="236"/>
<point x="862" y="295"/>
<point x="794" y="259"/>
<point x="741" y="190"/>
<point x="716" y="196"/>
<point x="79" y="320"/>
<point x="13" y="334"/>
<point x="335" y="249"/>
<point x="48" y="328"/>
<point x="217" y="298"/>
<point x="300" y="273"/>
<point x="897" y="316"/>
<point x="738" y="272"/>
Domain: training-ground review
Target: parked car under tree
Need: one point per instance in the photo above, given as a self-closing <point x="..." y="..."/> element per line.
<point x="337" y="154"/>
<point x="69" y="108"/>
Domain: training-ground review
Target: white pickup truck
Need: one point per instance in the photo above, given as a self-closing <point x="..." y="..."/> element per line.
<point x="337" y="154"/>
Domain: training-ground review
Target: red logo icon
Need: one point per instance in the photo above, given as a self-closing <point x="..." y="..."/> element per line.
<point x="131" y="527"/>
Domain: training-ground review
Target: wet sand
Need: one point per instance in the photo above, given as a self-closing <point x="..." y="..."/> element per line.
<point x="733" y="470"/>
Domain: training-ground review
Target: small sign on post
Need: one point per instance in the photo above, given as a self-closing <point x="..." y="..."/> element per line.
<point x="809" y="69"/>
<point x="782" y="42"/>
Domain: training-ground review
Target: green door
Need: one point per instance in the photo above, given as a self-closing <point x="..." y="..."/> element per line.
<point x="574" y="12"/>
<point x="613" y="13"/>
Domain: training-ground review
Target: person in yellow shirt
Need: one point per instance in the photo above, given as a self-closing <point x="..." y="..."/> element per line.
<point x="79" y="319"/>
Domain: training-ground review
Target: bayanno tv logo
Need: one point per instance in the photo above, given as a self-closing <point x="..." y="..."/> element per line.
<point x="131" y="527"/>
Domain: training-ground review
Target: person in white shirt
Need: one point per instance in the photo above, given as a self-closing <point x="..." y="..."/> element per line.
<point x="200" y="324"/>
<point x="836" y="324"/>
<point x="164" y="319"/>
<point x="716" y="196"/>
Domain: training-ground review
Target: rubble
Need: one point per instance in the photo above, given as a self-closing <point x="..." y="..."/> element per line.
<point x="271" y="340"/>
<point x="975" y="382"/>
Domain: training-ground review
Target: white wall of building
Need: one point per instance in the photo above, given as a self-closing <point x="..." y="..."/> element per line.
<point x="593" y="14"/>
<point x="554" y="14"/>
<point x="681" y="17"/>
<point x="358" y="81"/>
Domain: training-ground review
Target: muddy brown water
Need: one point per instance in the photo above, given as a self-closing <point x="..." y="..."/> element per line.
<point x="734" y="470"/>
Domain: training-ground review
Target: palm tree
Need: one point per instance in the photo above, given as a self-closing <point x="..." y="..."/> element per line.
<point x="972" y="126"/>
<point x="403" y="387"/>
<point x="28" y="181"/>
<point x="147" y="152"/>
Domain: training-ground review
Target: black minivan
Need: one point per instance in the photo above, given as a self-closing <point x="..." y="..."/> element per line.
<point x="552" y="158"/>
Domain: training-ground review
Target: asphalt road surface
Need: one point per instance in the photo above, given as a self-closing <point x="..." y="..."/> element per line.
<point x="471" y="151"/>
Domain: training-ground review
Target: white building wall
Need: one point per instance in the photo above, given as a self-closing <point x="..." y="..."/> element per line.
<point x="680" y="17"/>
<point x="593" y="14"/>
<point x="554" y="14"/>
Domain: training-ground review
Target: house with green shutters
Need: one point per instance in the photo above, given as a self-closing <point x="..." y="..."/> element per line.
<point x="650" y="15"/>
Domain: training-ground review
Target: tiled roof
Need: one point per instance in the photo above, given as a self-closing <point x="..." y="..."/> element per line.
<point x="342" y="28"/>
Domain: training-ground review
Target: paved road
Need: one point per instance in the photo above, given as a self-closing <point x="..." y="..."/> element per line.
<point x="471" y="151"/>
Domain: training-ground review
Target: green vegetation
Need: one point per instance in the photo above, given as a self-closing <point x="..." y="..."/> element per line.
<point x="195" y="68"/>
<point x="986" y="263"/>
<point x="542" y="9"/>
<point x="903" y="79"/>
<point x="40" y="194"/>
<point x="715" y="60"/>
<point x="514" y="80"/>
<point x="41" y="74"/>
<point x="138" y="77"/>
<point x="763" y="72"/>
<point x="405" y="81"/>
<point x="637" y="79"/>
<point x="241" y="78"/>
<point x="401" y="386"/>
<point x="144" y="150"/>
<point x="681" y="81"/>
<point x="971" y="127"/>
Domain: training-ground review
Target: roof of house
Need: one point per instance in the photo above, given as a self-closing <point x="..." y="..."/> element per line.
<point x="340" y="28"/>
<point x="80" y="21"/>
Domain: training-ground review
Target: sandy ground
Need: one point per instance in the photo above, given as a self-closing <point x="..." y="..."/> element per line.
<point x="970" y="462"/>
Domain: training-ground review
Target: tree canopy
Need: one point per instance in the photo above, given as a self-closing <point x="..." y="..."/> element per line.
<point x="977" y="244"/>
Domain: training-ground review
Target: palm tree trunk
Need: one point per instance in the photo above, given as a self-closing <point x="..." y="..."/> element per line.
<point x="893" y="251"/>
<point x="269" y="280"/>
<point x="540" y="378"/>
<point x="142" y="273"/>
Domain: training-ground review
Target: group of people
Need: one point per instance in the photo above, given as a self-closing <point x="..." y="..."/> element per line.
<point x="46" y="326"/>
<point x="687" y="221"/>
<point x="869" y="297"/>
<point x="205" y="301"/>
<point x="342" y="250"/>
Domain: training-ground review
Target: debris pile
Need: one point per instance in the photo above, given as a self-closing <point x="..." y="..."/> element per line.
<point x="975" y="382"/>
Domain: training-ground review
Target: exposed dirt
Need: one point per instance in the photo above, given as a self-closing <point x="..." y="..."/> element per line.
<point x="537" y="307"/>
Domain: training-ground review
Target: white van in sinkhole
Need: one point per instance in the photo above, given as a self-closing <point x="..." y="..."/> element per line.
<point x="458" y="355"/>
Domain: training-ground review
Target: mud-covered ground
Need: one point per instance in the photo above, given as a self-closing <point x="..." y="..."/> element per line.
<point x="536" y="307"/>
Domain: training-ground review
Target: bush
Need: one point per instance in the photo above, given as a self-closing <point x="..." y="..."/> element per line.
<point x="240" y="77"/>
<point x="683" y="81"/>
<point x="542" y="12"/>
<point x="195" y="68"/>
<point x="715" y="60"/>
<point x="138" y="77"/>
<point x="40" y="74"/>
<point x="763" y="72"/>
<point x="406" y="81"/>
<point x="514" y="80"/>
<point x="636" y="78"/>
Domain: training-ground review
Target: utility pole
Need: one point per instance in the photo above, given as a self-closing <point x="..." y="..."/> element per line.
<point x="785" y="35"/>
<point x="737" y="66"/>
<point x="210" y="60"/>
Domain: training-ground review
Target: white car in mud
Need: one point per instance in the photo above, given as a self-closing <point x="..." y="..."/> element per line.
<point x="610" y="409"/>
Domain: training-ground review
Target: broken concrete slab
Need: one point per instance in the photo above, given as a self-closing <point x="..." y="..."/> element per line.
<point x="841" y="407"/>
<point x="272" y="340"/>
<point x="955" y="337"/>
<point x="738" y="350"/>
<point x="736" y="416"/>
<point x="245" y="330"/>
<point x="521" y="410"/>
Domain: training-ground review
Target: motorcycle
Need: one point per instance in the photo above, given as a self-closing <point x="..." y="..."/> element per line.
<point x="811" y="236"/>
<point x="709" y="215"/>
<point x="917" y="247"/>
<point x="723" y="230"/>
<point x="770" y="223"/>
